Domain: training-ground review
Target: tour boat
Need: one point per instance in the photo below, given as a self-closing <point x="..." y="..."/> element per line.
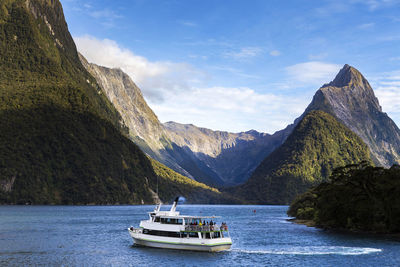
<point x="169" y="229"/>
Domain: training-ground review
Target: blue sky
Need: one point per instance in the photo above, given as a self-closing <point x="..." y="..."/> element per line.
<point x="240" y="65"/>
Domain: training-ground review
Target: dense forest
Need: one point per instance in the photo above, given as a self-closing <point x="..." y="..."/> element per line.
<point x="61" y="139"/>
<point x="356" y="197"/>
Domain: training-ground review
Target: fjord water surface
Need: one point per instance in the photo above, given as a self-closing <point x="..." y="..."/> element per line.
<point x="98" y="236"/>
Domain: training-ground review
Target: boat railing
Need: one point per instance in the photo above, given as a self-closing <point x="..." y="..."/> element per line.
<point x="206" y="228"/>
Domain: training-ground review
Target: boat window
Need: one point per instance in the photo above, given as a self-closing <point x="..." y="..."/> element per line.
<point x="161" y="233"/>
<point x="205" y="235"/>
<point x="193" y="234"/>
<point x="216" y="235"/>
<point x="171" y="221"/>
<point x="157" y="219"/>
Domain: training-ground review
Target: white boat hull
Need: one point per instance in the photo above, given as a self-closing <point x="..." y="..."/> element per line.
<point x="209" y="245"/>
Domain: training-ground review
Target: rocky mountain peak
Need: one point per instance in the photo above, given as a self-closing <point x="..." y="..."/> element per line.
<point x="349" y="76"/>
<point x="351" y="99"/>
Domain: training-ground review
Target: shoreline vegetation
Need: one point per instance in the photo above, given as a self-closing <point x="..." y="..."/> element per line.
<point x="357" y="198"/>
<point x="311" y="223"/>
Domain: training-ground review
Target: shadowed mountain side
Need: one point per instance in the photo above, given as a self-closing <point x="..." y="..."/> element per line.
<point x="172" y="184"/>
<point x="317" y="145"/>
<point x="56" y="156"/>
<point x="232" y="156"/>
<point x="61" y="140"/>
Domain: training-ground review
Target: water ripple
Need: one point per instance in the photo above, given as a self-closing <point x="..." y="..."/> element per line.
<point x="313" y="250"/>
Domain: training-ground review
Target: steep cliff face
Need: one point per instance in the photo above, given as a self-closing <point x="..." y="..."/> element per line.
<point x="128" y="100"/>
<point x="213" y="157"/>
<point x="350" y="98"/>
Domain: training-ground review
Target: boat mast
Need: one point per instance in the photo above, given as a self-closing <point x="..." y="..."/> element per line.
<point x="173" y="208"/>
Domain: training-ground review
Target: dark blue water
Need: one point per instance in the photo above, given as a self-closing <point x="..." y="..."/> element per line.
<point x="76" y="236"/>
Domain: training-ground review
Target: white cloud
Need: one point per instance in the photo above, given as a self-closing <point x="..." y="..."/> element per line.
<point x="318" y="56"/>
<point x="232" y="109"/>
<point x="312" y="72"/>
<point x="275" y="53"/>
<point x="244" y="53"/>
<point x="154" y="78"/>
<point x="387" y="89"/>
<point x="105" y="14"/>
<point x="177" y="91"/>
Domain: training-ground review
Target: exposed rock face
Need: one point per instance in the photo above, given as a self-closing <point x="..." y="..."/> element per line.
<point x="350" y="98"/>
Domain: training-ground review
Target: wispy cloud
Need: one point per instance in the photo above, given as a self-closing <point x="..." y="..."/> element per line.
<point x="235" y="71"/>
<point x="366" y="26"/>
<point x="275" y="53"/>
<point x="373" y="5"/>
<point x="107" y="17"/>
<point x="316" y="57"/>
<point x="244" y="53"/>
<point x="331" y="8"/>
<point x="105" y="14"/>
<point x="312" y="72"/>
<point x="188" y="23"/>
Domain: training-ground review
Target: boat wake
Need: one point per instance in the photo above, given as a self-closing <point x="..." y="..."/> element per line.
<point x="313" y="250"/>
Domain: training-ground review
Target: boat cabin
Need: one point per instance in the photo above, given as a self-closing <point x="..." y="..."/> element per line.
<point x="172" y="224"/>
